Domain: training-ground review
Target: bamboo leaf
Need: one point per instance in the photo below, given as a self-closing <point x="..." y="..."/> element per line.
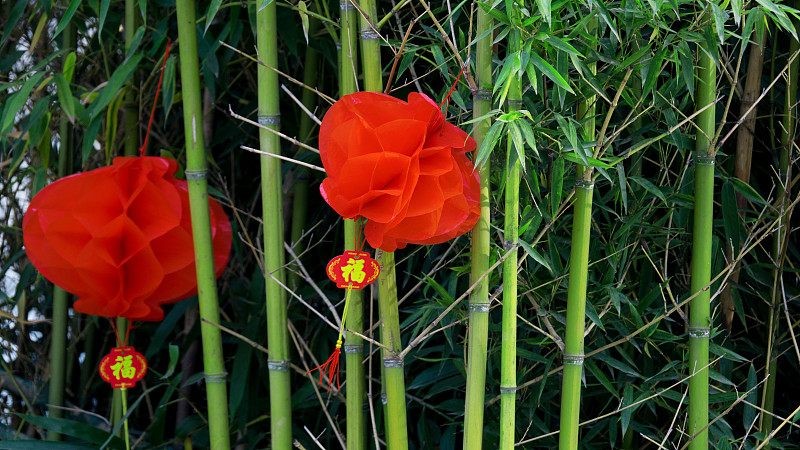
<point x="550" y="72"/>
<point x="616" y="364"/>
<point x="37" y="33"/>
<point x="730" y="217"/>
<point x="627" y="400"/>
<point x="649" y="187"/>
<point x="601" y="377"/>
<point x="747" y="191"/>
<point x="135" y="42"/>
<point x="65" y="97"/>
<point x="558" y="43"/>
<point x="13" y="18"/>
<point x="591" y="313"/>
<point x="73" y="428"/>
<point x="606" y="17"/>
<point x="736" y="6"/>
<point x="301" y="7"/>
<point x="489" y="143"/>
<point x="556" y="185"/>
<point x="590" y="162"/>
<point x="623" y="188"/>
<point x="536" y="256"/>
<point x="749" y="413"/>
<point x="89" y="138"/>
<point x="104" y="4"/>
<point x="779" y="16"/>
<point x="168" y="86"/>
<point x="118" y="78"/>
<point x="518" y="142"/>
<point x="545" y="8"/>
<point x="530" y="138"/>
<point x="16" y="101"/>
<point x="653" y="69"/>
<point x="569" y="130"/>
<point x="73" y="6"/>
<point x="69" y="67"/>
<point x="211" y="12"/>
<point x="720" y="17"/>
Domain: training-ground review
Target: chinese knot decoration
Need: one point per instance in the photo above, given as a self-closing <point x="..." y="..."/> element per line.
<point x="401" y="166"/>
<point x="120" y="238"/>
<point x="123" y="367"/>
<point x="353" y="270"/>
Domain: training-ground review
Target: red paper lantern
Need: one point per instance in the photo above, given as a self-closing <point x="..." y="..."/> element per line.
<point x="353" y="270"/>
<point x="123" y="367"/>
<point x="400" y="165"/>
<point x="120" y="237"/>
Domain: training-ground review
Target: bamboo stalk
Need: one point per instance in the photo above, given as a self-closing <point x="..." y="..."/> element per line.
<point x="130" y="106"/>
<point x="508" y="371"/>
<point x="578" y="274"/>
<point x="277" y="322"/>
<point x="354" y="346"/>
<point x="300" y="202"/>
<point x="744" y="156"/>
<point x="394" y="382"/>
<point x="700" y="306"/>
<point x="214" y="365"/>
<point x="478" y="332"/>
<point x="779" y="241"/>
<point x="58" y="334"/>
<point x="130" y="143"/>
<point x="354" y="349"/>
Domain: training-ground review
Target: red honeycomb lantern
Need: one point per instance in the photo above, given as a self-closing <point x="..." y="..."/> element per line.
<point x="120" y="238"/>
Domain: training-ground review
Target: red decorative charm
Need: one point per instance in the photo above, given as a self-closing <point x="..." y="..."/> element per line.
<point x="120" y="237"/>
<point x="123" y="367"/>
<point x="353" y="270"/>
<point x="401" y="166"/>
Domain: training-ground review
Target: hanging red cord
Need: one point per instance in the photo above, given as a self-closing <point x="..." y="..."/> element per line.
<point x="453" y="88"/>
<point x="143" y="148"/>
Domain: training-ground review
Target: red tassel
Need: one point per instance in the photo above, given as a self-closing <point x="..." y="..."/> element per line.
<point x="331" y="366"/>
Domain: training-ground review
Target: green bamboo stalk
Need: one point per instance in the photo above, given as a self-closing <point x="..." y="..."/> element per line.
<point x="396" y="426"/>
<point x="354" y="347"/>
<point x="700" y="307"/>
<point x="508" y="371"/>
<point x="779" y="241"/>
<point x="213" y="362"/>
<point x="478" y="333"/>
<point x="300" y="202"/>
<point x="117" y="395"/>
<point x="130" y="144"/>
<point x="58" y="334"/>
<point x="277" y="321"/>
<point x="130" y="107"/>
<point x="576" y="290"/>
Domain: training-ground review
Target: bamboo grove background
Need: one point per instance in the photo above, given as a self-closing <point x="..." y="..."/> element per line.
<point x="643" y="151"/>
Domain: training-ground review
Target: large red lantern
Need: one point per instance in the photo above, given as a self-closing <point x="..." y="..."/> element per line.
<point x="401" y="166"/>
<point x="120" y="238"/>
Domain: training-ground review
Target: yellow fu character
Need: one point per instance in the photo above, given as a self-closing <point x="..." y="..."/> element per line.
<point x="124" y="367"/>
<point x="353" y="271"/>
